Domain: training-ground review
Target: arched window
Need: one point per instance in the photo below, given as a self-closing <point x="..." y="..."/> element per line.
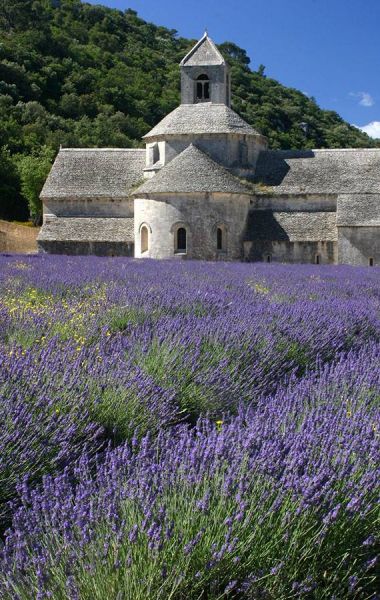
<point x="144" y="238"/>
<point x="370" y="262"/>
<point x="181" y="240"/>
<point x="268" y="258"/>
<point x="317" y="259"/>
<point x="221" y="237"/>
<point x="203" y="87"/>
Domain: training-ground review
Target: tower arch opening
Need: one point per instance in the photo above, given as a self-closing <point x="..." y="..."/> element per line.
<point x="202" y="88"/>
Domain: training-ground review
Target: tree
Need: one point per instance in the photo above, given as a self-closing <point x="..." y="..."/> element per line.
<point x="232" y="51"/>
<point x="11" y="205"/>
<point x="33" y="170"/>
<point x="261" y="70"/>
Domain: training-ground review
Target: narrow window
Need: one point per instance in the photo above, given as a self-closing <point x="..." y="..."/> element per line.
<point x="370" y="262"/>
<point x="219" y="238"/>
<point x="203" y="87"/>
<point x="153" y="153"/>
<point x="144" y="238"/>
<point x="156" y="153"/>
<point x="317" y="259"/>
<point x="243" y="153"/>
<point x="269" y="258"/>
<point x="181" y="240"/>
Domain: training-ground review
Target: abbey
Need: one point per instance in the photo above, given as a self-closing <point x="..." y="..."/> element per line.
<point x="207" y="187"/>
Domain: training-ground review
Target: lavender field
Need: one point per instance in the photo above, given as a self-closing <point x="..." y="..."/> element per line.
<point x="188" y="430"/>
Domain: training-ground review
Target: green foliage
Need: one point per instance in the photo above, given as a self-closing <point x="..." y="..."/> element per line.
<point x="82" y="75"/>
<point x="10" y="207"/>
<point x="120" y="412"/>
<point x="33" y="170"/>
<point x="119" y="318"/>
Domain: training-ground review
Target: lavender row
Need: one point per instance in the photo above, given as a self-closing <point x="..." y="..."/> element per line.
<point x="279" y="501"/>
<point x="271" y="495"/>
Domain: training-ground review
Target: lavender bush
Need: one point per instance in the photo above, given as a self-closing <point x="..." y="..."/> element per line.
<point x="241" y="407"/>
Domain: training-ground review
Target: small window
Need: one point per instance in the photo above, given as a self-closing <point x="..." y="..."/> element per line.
<point x="371" y="262"/>
<point x="203" y="87"/>
<point x="317" y="259"/>
<point x="268" y="258"/>
<point x="144" y="238"/>
<point x="156" y="153"/>
<point x="243" y="153"/>
<point x="153" y="153"/>
<point x="219" y="238"/>
<point x="181" y="240"/>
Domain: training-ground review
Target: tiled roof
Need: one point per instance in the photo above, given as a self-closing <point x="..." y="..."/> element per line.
<point x="192" y="171"/>
<point x="94" y="172"/>
<point x="201" y="118"/>
<point x="87" y="229"/>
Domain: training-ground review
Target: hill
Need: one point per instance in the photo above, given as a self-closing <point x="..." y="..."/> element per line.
<point x="82" y="75"/>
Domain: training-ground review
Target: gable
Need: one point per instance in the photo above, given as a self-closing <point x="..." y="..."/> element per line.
<point x="203" y="53"/>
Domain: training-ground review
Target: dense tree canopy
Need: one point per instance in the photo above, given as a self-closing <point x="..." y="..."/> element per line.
<point x="82" y="75"/>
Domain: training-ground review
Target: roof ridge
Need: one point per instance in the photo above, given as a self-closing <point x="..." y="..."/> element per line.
<point x="102" y="150"/>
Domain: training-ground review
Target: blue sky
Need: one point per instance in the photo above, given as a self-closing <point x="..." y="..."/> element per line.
<point x="329" y="49"/>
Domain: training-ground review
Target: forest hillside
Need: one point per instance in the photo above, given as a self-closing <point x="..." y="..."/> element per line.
<point x="81" y="75"/>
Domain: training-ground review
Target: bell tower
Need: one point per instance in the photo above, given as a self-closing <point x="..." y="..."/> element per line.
<point x="205" y="75"/>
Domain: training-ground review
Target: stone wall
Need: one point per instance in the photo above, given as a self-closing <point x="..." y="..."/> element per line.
<point x="236" y="152"/>
<point x="18" y="238"/>
<point x="294" y="202"/>
<point x="87" y="248"/>
<point x="356" y="245"/>
<point x="219" y="88"/>
<point x="88" y="207"/>
<point x="200" y="214"/>
<point x="291" y="252"/>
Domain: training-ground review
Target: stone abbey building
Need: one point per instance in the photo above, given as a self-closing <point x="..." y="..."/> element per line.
<point x="207" y="187"/>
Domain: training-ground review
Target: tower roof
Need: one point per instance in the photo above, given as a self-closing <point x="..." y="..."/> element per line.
<point x="203" y="53"/>
<point x="204" y="117"/>
<point x="192" y="171"/>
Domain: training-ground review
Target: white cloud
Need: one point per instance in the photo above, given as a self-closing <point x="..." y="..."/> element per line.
<point x="365" y="98"/>
<point x="373" y="129"/>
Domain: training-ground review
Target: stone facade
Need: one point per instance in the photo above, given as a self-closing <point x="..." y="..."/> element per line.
<point x="201" y="215"/>
<point x="207" y="187"/>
